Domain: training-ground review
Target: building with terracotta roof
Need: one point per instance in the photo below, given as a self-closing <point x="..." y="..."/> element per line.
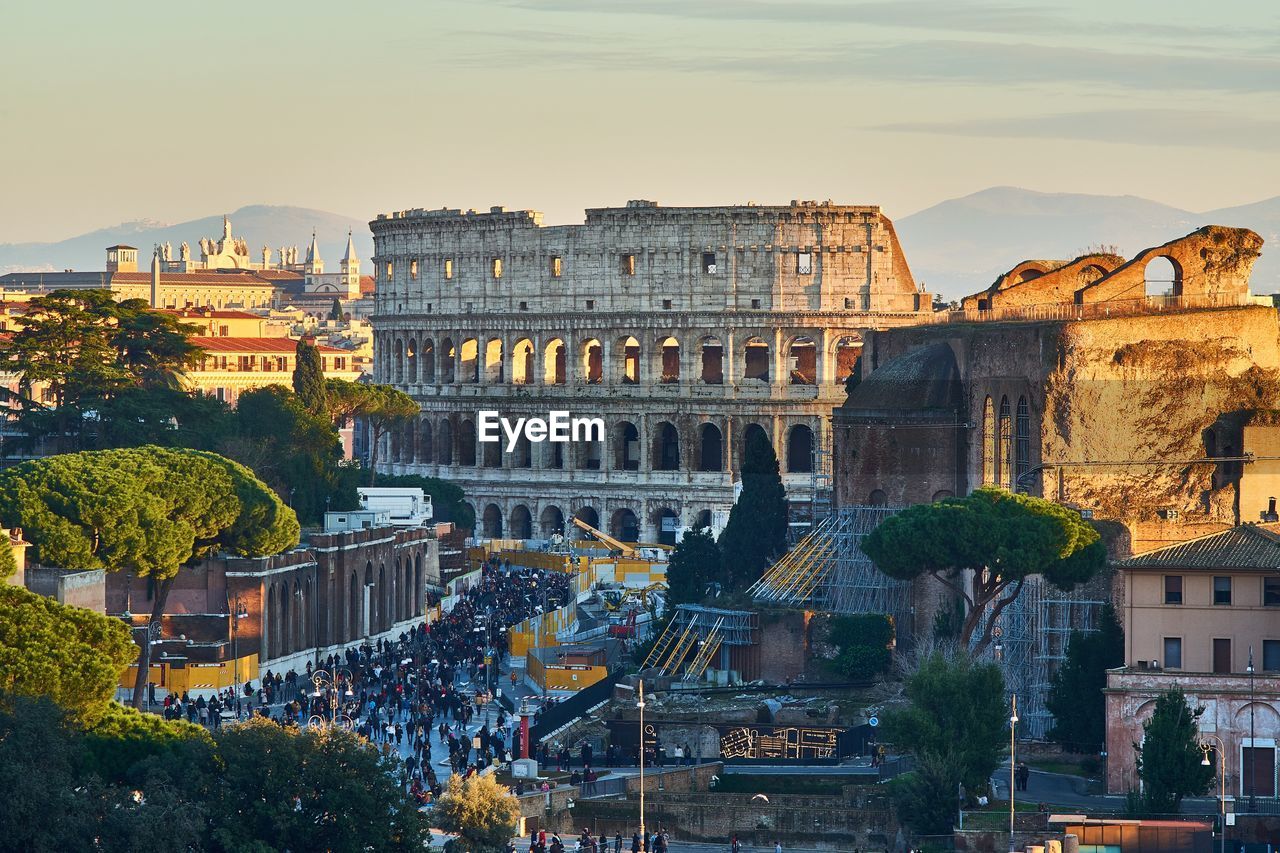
<point x="232" y="365"/>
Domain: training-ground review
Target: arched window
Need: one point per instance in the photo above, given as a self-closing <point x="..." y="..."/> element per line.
<point x="756" y="360"/>
<point x="553" y="363"/>
<point x="627" y="447"/>
<point x="800" y="449"/>
<point x="1162" y="278"/>
<point x="802" y="362"/>
<point x="710" y="448"/>
<point x="426" y="448"/>
<point x="397" y="359"/>
<point x="492" y="453"/>
<point x="522" y="456"/>
<point x="1004" y="449"/>
<point x="747" y="433"/>
<point x="666" y="448"/>
<point x="493" y="371"/>
<point x="670" y="355"/>
<point x="877" y="498"/>
<point x="493" y="521"/>
<point x="624" y="525"/>
<point x="551" y="521"/>
<point x="428" y="359"/>
<point x="712" y="361"/>
<point x="411" y="358"/>
<point x="847" y="351"/>
<point x="942" y="494"/>
<point x="522" y="371"/>
<point x="444" y="451"/>
<point x="988" y="443"/>
<point x="470" y="361"/>
<point x="629" y="361"/>
<point x="592" y="362"/>
<point x="521" y="522"/>
<point x="589" y="515"/>
<point x="467" y="443"/>
<point x="1022" y="442"/>
<point x="448" y="361"/>
<point x="667" y="523"/>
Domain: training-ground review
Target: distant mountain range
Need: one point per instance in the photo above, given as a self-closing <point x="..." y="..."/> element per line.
<point x="259" y="224"/>
<point x="959" y="246"/>
<point x="956" y="247"/>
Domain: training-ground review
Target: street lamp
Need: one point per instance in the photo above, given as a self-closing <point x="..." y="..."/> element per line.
<point x="330" y="685"/>
<point x="640" y="705"/>
<point x="1206" y="747"/>
<point x="1253" y="752"/>
<point x="237" y="611"/>
<point x="1013" y="764"/>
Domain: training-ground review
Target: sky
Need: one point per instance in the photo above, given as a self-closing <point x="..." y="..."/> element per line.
<point x="148" y="110"/>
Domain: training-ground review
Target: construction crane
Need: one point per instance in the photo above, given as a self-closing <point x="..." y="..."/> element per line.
<point x="617" y="545"/>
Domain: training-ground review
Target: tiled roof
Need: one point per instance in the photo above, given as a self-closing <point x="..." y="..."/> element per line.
<point x="210" y="314"/>
<point x="1249" y="546"/>
<point x="367" y="284"/>
<point x="256" y="345"/>
<point x="245" y="278"/>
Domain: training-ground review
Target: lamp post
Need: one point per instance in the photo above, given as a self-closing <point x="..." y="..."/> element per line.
<point x="1013" y="765"/>
<point x="238" y="611"/>
<point x="1253" y="752"/>
<point x="329" y="685"/>
<point x="1213" y="743"/>
<point x="640" y="705"/>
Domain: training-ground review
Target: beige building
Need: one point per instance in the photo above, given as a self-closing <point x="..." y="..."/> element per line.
<point x="685" y="329"/>
<point x="233" y="365"/>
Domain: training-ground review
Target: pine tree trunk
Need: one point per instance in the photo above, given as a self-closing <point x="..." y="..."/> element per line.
<point x="144" y="655"/>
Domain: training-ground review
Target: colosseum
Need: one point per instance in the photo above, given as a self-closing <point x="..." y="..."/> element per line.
<point x="684" y="328"/>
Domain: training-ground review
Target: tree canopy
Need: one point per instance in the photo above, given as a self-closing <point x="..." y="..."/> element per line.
<point x="308" y="377"/>
<point x="694" y="563"/>
<point x="1075" y="698"/>
<point x="72" y="655"/>
<point x="481" y="812"/>
<point x="1002" y="538"/>
<point x="756" y="533"/>
<point x="955" y="726"/>
<point x="1169" y="757"/>
<point x="381" y="407"/>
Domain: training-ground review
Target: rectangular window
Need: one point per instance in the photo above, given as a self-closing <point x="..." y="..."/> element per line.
<point x="1271" y="592"/>
<point x="1271" y="655"/>
<point x="709" y="263"/>
<point x="755" y="303"/>
<point x="1173" y="589"/>
<point x="1173" y="653"/>
<point x="1221" y="656"/>
<point x="224" y="331"/>
<point x="666" y="304"/>
<point x="340" y="363"/>
<point x="390" y="269"/>
<point x="591" y="304"/>
<point x="804" y="263"/>
<point x="448" y="268"/>
<point x="628" y="264"/>
<point x="413" y="269"/>
<point x="557" y="266"/>
<point x="496" y="268"/>
<point x="524" y="306"/>
<point x="1222" y="590"/>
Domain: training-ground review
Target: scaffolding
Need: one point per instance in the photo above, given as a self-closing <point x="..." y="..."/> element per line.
<point x="1030" y="643"/>
<point x="706" y="629"/>
<point x="828" y="571"/>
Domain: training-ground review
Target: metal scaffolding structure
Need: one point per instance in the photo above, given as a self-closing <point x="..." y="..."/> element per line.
<point x="702" y="631"/>
<point x="1031" y="638"/>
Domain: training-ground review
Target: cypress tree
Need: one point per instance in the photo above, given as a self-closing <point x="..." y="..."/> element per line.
<point x="757" y="530"/>
<point x="308" y="377"/>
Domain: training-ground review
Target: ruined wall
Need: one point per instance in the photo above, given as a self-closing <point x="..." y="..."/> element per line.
<point x="1213" y="262"/>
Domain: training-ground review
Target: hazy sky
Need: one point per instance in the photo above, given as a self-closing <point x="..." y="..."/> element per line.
<point x="119" y="111"/>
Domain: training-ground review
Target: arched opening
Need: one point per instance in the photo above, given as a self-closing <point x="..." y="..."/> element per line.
<point x="589" y="515"/>
<point x="493" y="371"/>
<point x="521" y="522"/>
<point x="427" y="357"/>
<point x="426" y="448"/>
<point x="380" y="599"/>
<point x="877" y="498"/>
<point x="1004" y="449"/>
<point x="418" y="603"/>
<point x="712" y="361"/>
<point x="989" y="476"/>
<point x="800" y="449"/>
<point x="629" y="361"/>
<point x="491" y="455"/>
<point x="624" y="525"/>
<point x="444" y="452"/>
<point x="492" y="523"/>
<point x="366" y="603"/>
<point x="667" y="523"/>
<point x="702" y="520"/>
<point x="1091" y="273"/>
<point x="467" y="443"/>
<point x="802" y="362"/>
<point x="592" y="362"/>
<point x="448" y="361"/>
<point x="353" y="608"/>
<point x="411" y="359"/>
<point x="551" y="521"/>
<point x="942" y="494"/>
<point x="666" y="448"/>
<point x="470" y="366"/>
<point x="553" y="454"/>
<point x="626" y="447"/>
<point x="710" y="448"/>
<point x="1021" y="442"/>
<point x="553" y="363"/>
<point x="522" y="455"/>
<point x="747" y="433"/>
<point x="522" y="362"/>
<point x="1162" y="277"/>
<point x="589" y="455"/>
<point x="397" y="359"/>
<point x="397" y="443"/>
<point x="670" y="355"/>
<point x="756" y="360"/>
<point x="409" y="450"/>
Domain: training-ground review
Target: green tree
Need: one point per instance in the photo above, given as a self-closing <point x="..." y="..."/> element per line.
<point x="335" y="310"/>
<point x="756" y="533"/>
<point x="481" y="812"/>
<point x="955" y="726"/>
<point x="291" y="789"/>
<point x="862" y="644"/>
<point x="71" y="655"/>
<point x="1001" y="538"/>
<point x="149" y="511"/>
<point x="81" y="347"/>
<point x="1169" y="757"/>
<point x="308" y="377"/>
<point x="381" y="407"/>
<point x="162" y="416"/>
<point x="694" y="563"/>
<point x="1075" y="698"/>
<point x="447" y="500"/>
